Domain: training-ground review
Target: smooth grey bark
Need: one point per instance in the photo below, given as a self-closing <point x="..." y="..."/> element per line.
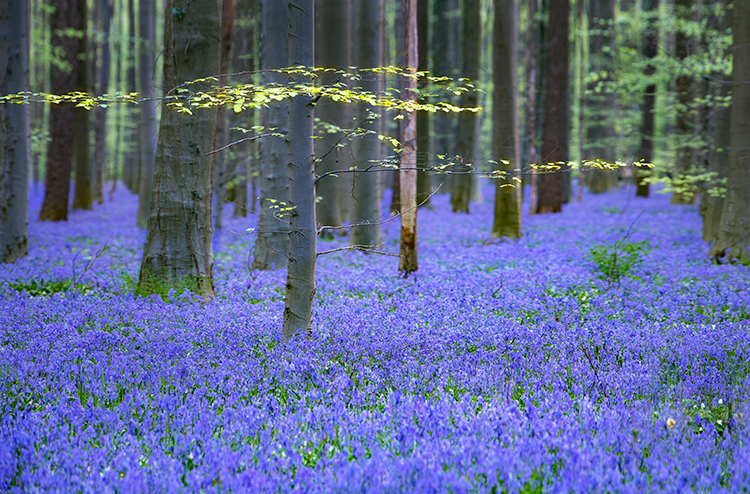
<point x="148" y="131"/>
<point x="650" y="50"/>
<point x="408" y="156"/>
<point x="467" y="121"/>
<point x="424" y="119"/>
<point x="601" y="100"/>
<point x="365" y="209"/>
<point x="333" y="25"/>
<point x="178" y="252"/>
<point x="272" y="244"/>
<point x="300" y="282"/>
<point x="507" y="221"/>
<point x="15" y="132"/>
<point x="61" y="117"/>
<point x="131" y="153"/>
<point x="223" y="171"/>
<point x="733" y="242"/>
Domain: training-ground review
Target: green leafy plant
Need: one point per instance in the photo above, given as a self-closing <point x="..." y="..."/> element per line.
<point x="614" y="262"/>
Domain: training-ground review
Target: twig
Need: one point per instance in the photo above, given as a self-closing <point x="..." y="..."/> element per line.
<point x="363" y="248"/>
<point x="238" y="142"/>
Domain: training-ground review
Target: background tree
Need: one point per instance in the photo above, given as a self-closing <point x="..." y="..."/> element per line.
<point x="467" y="122"/>
<point x="733" y="240"/>
<point x="300" y="285"/>
<point x="272" y="243"/>
<point x="507" y="222"/>
<point x="424" y="130"/>
<point x="102" y="75"/>
<point x="15" y="131"/>
<point x="368" y="53"/>
<point x="66" y="19"/>
<point x="148" y="129"/>
<point x="222" y="172"/>
<point x="178" y="251"/>
<point x="82" y="193"/>
<point x="555" y="143"/>
<point x="650" y="51"/>
<point x="333" y="24"/>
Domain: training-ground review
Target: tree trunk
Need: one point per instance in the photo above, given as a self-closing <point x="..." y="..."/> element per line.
<point x="733" y="240"/>
<point x="100" y="114"/>
<point x="62" y="117"/>
<point x="601" y="141"/>
<point x="555" y="143"/>
<point x="333" y="24"/>
<point x="178" y="252"/>
<point x="650" y="50"/>
<point x="467" y="121"/>
<point x="300" y="283"/>
<point x="131" y="153"/>
<point x="408" y="157"/>
<point x="149" y="126"/>
<point x="272" y="244"/>
<point x="507" y="221"/>
<point x="368" y="41"/>
<point x="532" y="68"/>
<point x="82" y="197"/>
<point x="686" y="45"/>
<point x="424" y="119"/>
<point x="15" y="132"/>
<point x="223" y="171"/>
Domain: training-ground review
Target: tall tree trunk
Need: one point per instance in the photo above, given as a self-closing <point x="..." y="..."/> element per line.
<point x="300" y="283"/>
<point x="424" y="119"/>
<point x="368" y="53"/>
<point x="15" y="132"/>
<point x="272" y="244"/>
<point x="333" y="25"/>
<point x="733" y="240"/>
<point x="408" y="156"/>
<point x="507" y="221"/>
<point x="650" y="50"/>
<point x="131" y="153"/>
<point x="148" y="130"/>
<point x="178" y="252"/>
<point x="82" y="197"/>
<point x="100" y="114"/>
<point x="222" y="170"/>
<point x="62" y="117"/>
<point x="600" y="132"/>
<point x="555" y="143"/>
<point x="532" y="84"/>
<point x="686" y="44"/>
<point x="467" y="121"/>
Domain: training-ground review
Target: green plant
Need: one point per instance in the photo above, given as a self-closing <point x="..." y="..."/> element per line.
<point x="614" y="262"/>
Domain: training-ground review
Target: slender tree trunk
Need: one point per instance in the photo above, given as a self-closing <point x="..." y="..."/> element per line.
<point x="131" y="151"/>
<point x="82" y="197"/>
<point x="507" y="221"/>
<point x="100" y="114"/>
<point x="272" y="244"/>
<point x="368" y="41"/>
<point x="15" y="132"/>
<point x="147" y="88"/>
<point x="424" y="119"/>
<point x="178" y="252"/>
<point x="600" y="105"/>
<point x="408" y="157"/>
<point x="531" y="68"/>
<point x="686" y="45"/>
<point x="333" y="24"/>
<point x="733" y="240"/>
<point x="300" y="284"/>
<point x="554" y="147"/>
<point x="62" y="117"/>
<point x="650" y="50"/>
<point x="467" y="121"/>
<point x="223" y="172"/>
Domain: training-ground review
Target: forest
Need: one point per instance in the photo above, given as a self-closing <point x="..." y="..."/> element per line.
<point x="466" y="246"/>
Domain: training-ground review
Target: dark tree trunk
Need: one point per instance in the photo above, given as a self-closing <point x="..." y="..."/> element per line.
<point x="300" y="282"/>
<point x="15" y="132"/>
<point x="424" y="119"/>
<point x="100" y="114"/>
<point x="222" y="172"/>
<point x="148" y="129"/>
<point x="333" y="24"/>
<point x="555" y="144"/>
<point x="733" y="240"/>
<point x="272" y="244"/>
<point x="62" y="117"/>
<point x="507" y="222"/>
<point x="467" y="123"/>
<point x="178" y="252"/>
<point x="650" y="50"/>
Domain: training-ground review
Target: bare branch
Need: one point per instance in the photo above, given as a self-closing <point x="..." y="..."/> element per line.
<point x="238" y="142"/>
<point x="363" y="248"/>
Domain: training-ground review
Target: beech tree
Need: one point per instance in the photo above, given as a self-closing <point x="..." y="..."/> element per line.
<point x="650" y="50"/>
<point x="507" y="221"/>
<point x="733" y="241"/>
<point x="178" y="251"/>
<point x="15" y="151"/>
<point x="82" y="192"/>
<point x="148" y="129"/>
<point x="272" y="243"/>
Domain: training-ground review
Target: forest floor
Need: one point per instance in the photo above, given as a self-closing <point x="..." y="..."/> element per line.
<point x="601" y="352"/>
